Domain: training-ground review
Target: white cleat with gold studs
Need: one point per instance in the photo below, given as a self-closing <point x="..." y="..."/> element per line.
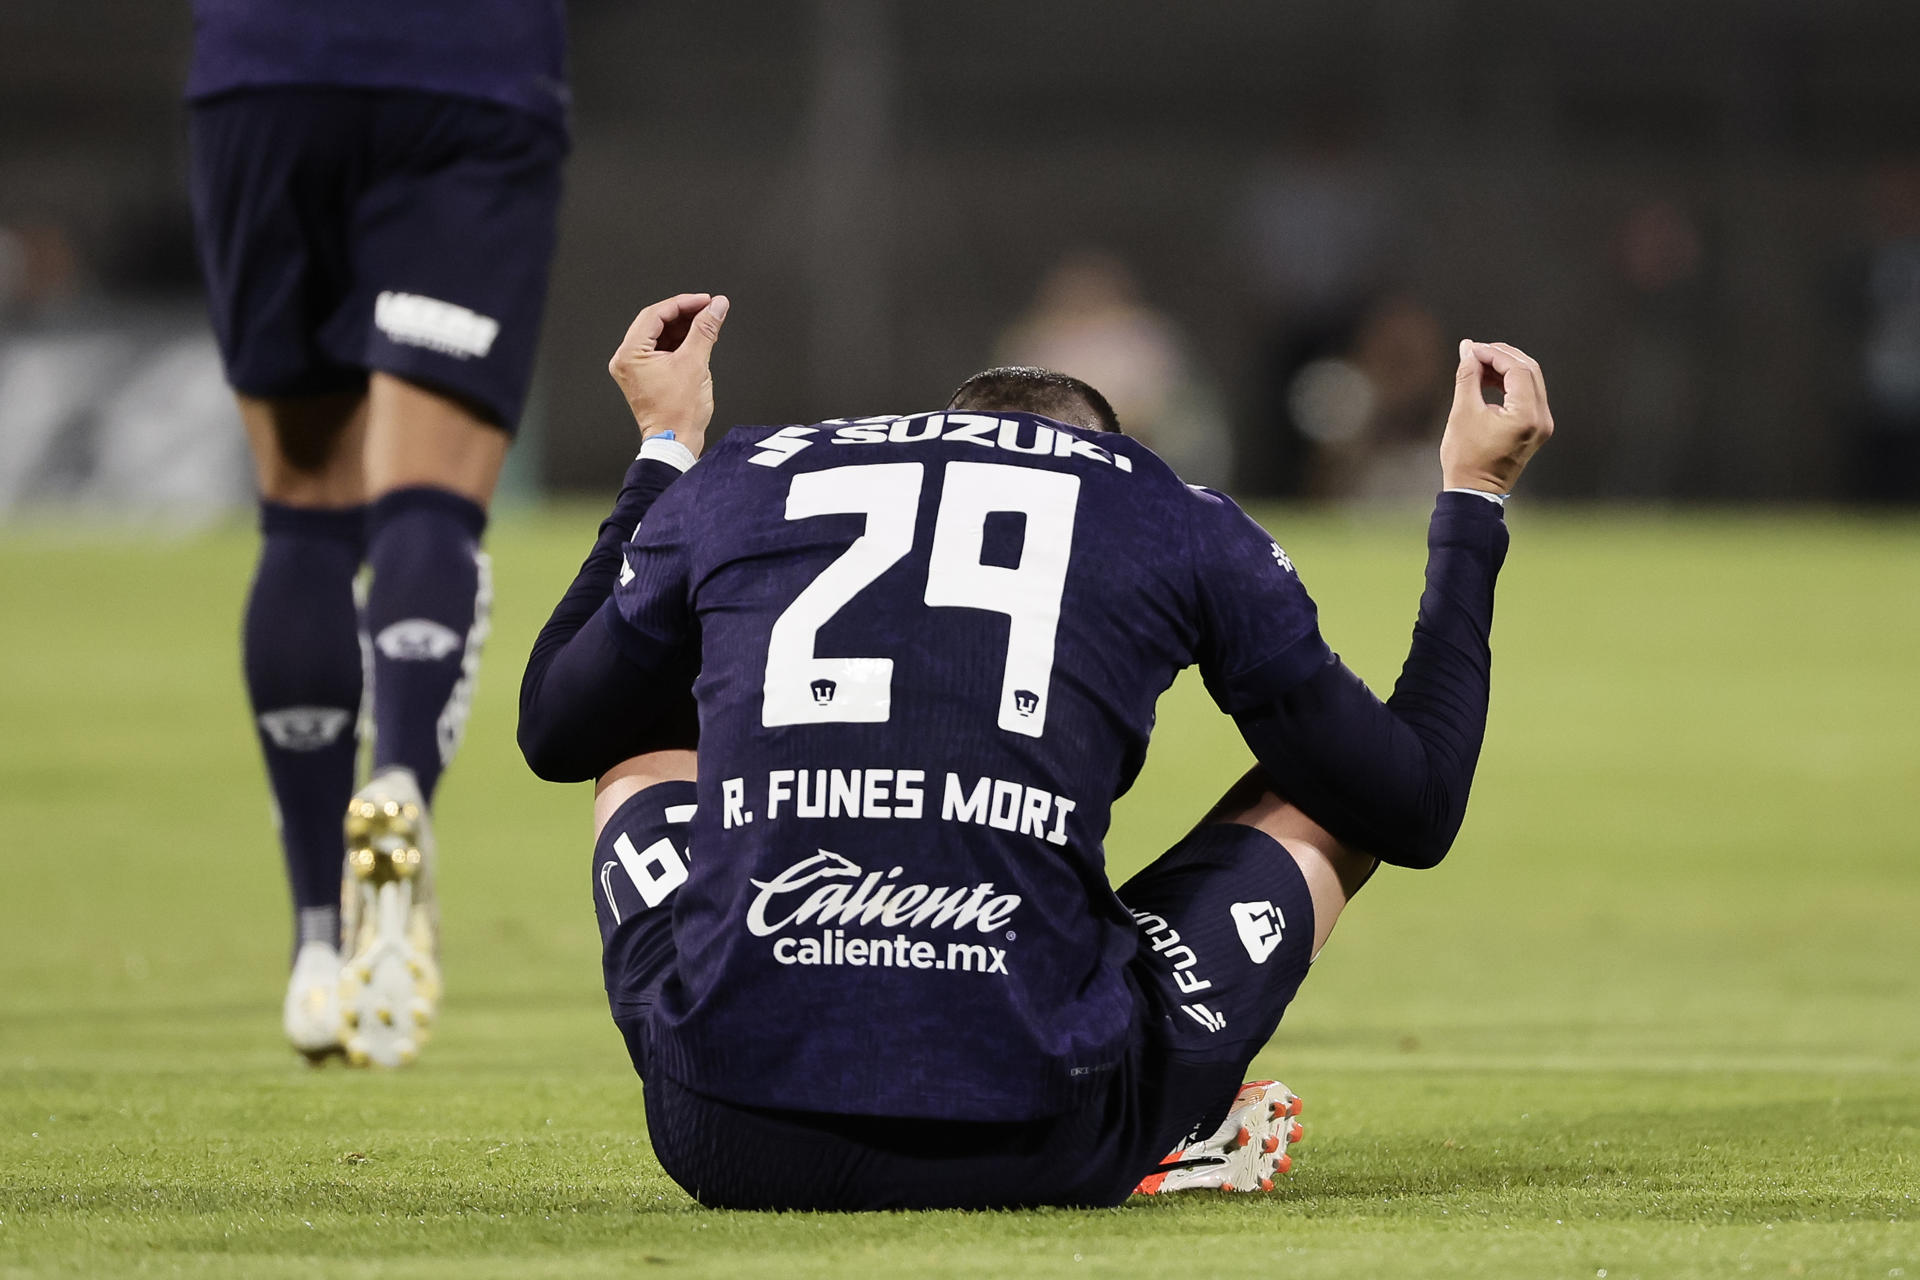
<point x="310" y="1014"/>
<point x="390" y="978"/>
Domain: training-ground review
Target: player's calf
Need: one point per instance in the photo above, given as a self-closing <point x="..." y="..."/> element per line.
<point x="427" y="616"/>
<point x="301" y="651"/>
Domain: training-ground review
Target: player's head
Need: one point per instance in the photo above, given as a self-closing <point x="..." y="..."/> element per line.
<point x="1019" y="389"/>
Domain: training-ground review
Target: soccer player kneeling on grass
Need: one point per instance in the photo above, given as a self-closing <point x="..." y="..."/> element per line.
<point x="862" y="945"/>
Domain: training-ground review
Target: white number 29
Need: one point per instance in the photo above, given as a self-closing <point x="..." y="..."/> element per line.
<point x="801" y="688"/>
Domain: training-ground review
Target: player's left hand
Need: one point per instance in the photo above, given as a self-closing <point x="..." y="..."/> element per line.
<point x="661" y="366"/>
<point x="1487" y="446"/>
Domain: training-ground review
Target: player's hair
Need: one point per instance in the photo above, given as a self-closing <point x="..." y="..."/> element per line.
<point x="1021" y="389"/>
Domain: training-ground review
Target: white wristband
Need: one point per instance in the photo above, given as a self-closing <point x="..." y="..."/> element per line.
<point x="668" y="450"/>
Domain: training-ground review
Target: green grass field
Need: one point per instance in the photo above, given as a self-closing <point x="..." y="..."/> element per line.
<point x="1659" y="1015"/>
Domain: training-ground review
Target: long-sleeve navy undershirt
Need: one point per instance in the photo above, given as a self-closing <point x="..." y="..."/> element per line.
<point x="584" y="706"/>
<point x="1389" y="779"/>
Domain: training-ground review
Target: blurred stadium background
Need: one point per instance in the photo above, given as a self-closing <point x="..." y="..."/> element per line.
<point x="1657" y="1017"/>
<point x="1267" y="220"/>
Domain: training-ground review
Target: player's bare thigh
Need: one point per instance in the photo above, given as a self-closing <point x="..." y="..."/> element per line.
<point x="341" y="450"/>
<point x="1333" y="872"/>
<point x="630" y="777"/>
<point x="307" y="450"/>
<point x="416" y="436"/>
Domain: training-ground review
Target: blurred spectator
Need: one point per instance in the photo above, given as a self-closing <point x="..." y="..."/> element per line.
<point x="1315" y="236"/>
<point x="1088" y="320"/>
<point x="1659" y="354"/>
<point x="39" y="270"/>
<point x="1372" y="412"/>
<point x="1886" y="447"/>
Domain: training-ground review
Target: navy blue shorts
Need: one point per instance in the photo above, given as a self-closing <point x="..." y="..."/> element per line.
<point x="1226" y="934"/>
<point x="347" y="230"/>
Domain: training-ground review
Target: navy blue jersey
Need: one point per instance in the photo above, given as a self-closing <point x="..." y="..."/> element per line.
<point x="507" y="51"/>
<point x="929" y="653"/>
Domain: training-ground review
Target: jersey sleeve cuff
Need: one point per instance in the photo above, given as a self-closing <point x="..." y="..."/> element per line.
<point x="1497" y="499"/>
<point x="666" y="449"/>
<point x="1271" y="678"/>
<point x="1462" y="518"/>
<point x="646" y="479"/>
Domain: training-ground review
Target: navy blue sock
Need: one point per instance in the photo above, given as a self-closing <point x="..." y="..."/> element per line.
<point x="427" y="613"/>
<point x="301" y="650"/>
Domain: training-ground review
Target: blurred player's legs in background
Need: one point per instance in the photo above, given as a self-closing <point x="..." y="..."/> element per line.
<point x="431" y="467"/>
<point x="376" y="266"/>
<point x="301" y="652"/>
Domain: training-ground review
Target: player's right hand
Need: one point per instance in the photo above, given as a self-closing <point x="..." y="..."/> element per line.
<point x="1487" y="446"/>
<point x="661" y="366"/>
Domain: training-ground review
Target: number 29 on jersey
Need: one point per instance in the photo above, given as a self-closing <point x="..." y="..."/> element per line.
<point x="803" y="688"/>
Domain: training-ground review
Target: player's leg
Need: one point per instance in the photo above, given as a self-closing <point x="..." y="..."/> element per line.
<point x="451" y="233"/>
<point x="451" y="236"/>
<point x="1334" y="873"/>
<point x="432" y="463"/>
<point x="1231" y="918"/>
<point x="302" y="659"/>
<point x="431" y="466"/>
<point x="264" y="165"/>
<point x="641" y="814"/>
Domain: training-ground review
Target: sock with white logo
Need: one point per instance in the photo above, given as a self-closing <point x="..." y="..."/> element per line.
<point x="427" y="613"/>
<point x="300" y="645"/>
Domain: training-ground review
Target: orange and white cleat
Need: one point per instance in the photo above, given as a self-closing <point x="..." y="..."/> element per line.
<point x="1246" y="1153"/>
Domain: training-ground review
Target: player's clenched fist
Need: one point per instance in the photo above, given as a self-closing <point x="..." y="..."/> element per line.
<point x="1487" y="446"/>
<point x="661" y="366"/>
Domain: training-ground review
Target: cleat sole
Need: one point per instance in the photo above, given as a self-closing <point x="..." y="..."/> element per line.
<point x="388" y="975"/>
<point x="1247" y="1153"/>
<point x="391" y="983"/>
